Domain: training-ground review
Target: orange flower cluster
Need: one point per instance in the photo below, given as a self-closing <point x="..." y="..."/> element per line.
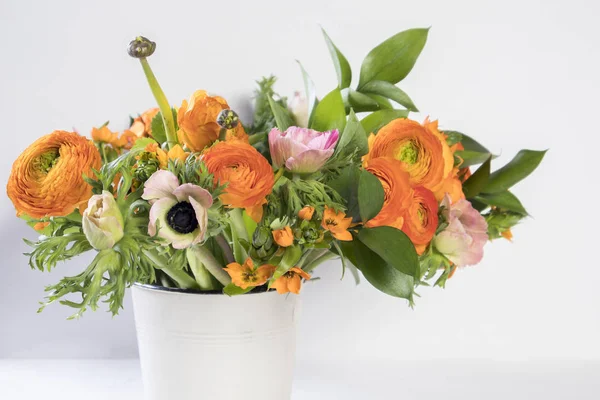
<point x="105" y="135"/>
<point x="197" y="119"/>
<point x="416" y="168"/>
<point x="248" y="276"/>
<point x="247" y="174"/>
<point x="47" y="178"/>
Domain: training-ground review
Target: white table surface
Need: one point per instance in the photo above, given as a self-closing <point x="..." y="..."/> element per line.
<point x="441" y="379"/>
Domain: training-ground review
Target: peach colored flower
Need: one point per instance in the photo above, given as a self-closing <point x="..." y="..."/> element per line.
<point x="283" y="237"/>
<point x="245" y="276"/>
<point x="291" y="281"/>
<point x="337" y="224"/>
<point x="306" y="213"/>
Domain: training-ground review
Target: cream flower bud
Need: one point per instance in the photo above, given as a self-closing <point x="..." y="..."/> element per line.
<point x="103" y="221"/>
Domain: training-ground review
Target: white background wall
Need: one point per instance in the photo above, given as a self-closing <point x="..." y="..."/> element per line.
<point x="514" y="74"/>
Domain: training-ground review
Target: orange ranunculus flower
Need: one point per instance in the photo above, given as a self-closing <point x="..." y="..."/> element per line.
<point x="452" y="185"/>
<point x="291" y="281"/>
<point x="306" y="213"/>
<point x="337" y="224"/>
<point x="245" y="276"/>
<point x="422" y="149"/>
<point x="283" y="237"/>
<point x="142" y="125"/>
<point x="47" y="178"/>
<point x="248" y="175"/>
<point x="197" y="119"/>
<point x="421" y="218"/>
<point x="397" y="189"/>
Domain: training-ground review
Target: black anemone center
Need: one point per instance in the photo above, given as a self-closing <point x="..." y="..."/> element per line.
<point x="182" y="218"/>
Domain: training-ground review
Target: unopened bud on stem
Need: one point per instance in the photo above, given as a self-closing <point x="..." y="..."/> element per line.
<point x="141" y="47"/>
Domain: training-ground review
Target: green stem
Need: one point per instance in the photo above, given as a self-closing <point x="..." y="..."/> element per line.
<point x="238" y="231"/>
<point x="163" y="104"/>
<point x="256" y="138"/>
<point x="222" y="134"/>
<point x="202" y="275"/>
<point x="183" y="280"/>
<point x="224" y="245"/>
<point x="316" y="262"/>
<point x="209" y="261"/>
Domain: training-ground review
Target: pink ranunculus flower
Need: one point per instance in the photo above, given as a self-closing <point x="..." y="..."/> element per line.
<point x="301" y="150"/>
<point x="463" y="239"/>
<point x="181" y="211"/>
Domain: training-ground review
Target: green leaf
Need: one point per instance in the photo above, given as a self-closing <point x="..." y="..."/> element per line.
<point x="282" y="116"/>
<point x="519" y="168"/>
<point x="390" y="91"/>
<point x="347" y="187"/>
<point x="453" y="137"/>
<point x="503" y="200"/>
<point x="393" y="246"/>
<point x="476" y="182"/>
<point x="471" y="144"/>
<point x="370" y="196"/>
<point x="141" y="144"/>
<point x="342" y="67"/>
<point x="380" y="274"/>
<point x="158" y="127"/>
<point x="384" y="104"/>
<point x="372" y="123"/>
<point x="470" y="158"/>
<point x="310" y="92"/>
<point x="233" y="290"/>
<point x="330" y="113"/>
<point x="353" y="138"/>
<point x="291" y="256"/>
<point x="360" y="102"/>
<point x="393" y="59"/>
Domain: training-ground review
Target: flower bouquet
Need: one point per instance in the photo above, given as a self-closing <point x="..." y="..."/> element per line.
<point x="189" y="203"/>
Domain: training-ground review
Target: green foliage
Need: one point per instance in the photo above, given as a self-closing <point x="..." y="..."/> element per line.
<point x="293" y="195"/>
<point x="370" y="195"/>
<point x="291" y="256"/>
<point x="264" y="120"/>
<point x="389" y="91"/>
<point x="158" y="127"/>
<point x="342" y="67"/>
<point x="476" y="182"/>
<point x="519" y="168"/>
<point x="393" y="246"/>
<point x="283" y="118"/>
<point x="393" y="59"/>
<point x="346" y="184"/>
<point x="500" y="221"/>
<point x="353" y="139"/>
<point x="233" y="290"/>
<point x="310" y="92"/>
<point x="504" y="201"/>
<point x="330" y="113"/>
<point x="473" y="153"/>
<point x="377" y="120"/>
<point x="380" y="274"/>
<point x="360" y="102"/>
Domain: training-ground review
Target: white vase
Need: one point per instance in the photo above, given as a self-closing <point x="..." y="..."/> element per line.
<point x="214" y="347"/>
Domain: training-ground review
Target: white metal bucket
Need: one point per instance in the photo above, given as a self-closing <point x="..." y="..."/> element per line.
<point x="214" y="347"/>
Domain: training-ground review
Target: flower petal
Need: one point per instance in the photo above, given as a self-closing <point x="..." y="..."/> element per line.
<point x="201" y="195"/>
<point x="158" y="212"/>
<point x="308" y="161"/>
<point x="161" y="184"/>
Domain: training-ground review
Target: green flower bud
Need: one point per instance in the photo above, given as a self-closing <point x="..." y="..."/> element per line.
<point x="228" y="119"/>
<point x="261" y="235"/>
<point x="141" y="47"/>
<point x="146" y="165"/>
